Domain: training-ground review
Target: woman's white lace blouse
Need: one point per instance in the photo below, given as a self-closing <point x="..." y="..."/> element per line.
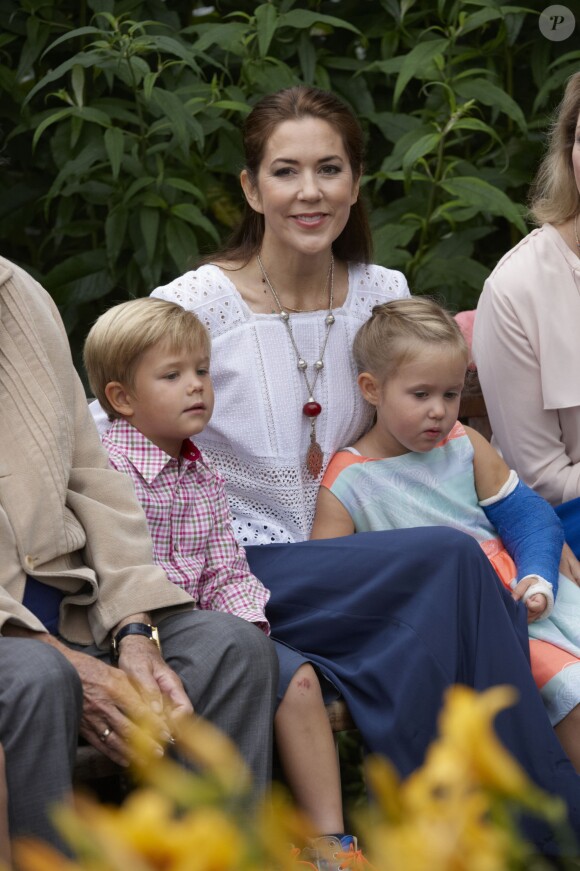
<point x="258" y="436"/>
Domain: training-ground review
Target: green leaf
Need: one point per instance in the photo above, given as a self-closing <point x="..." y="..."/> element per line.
<point x="115" y="229"/>
<point x="243" y="108"/>
<point x="489" y="94"/>
<point x="78" y="84"/>
<point x="476" y="192"/>
<point x="153" y="200"/>
<point x="403" y="145"/>
<point x="74" y="169"/>
<point x="181" y="244"/>
<point x="302" y="18"/>
<point x="389" y="239"/>
<point x="266" y="22"/>
<point x="425" y="145"/>
<point x="389" y="66"/>
<point x="176" y="114"/>
<point x="169" y="45"/>
<point x="435" y="273"/>
<point x="52" y="119"/>
<point x="37" y="34"/>
<point x="393" y="125"/>
<point x="136" y="186"/>
<point x="95" y="116"/>
<point x="114" y="146"/>
<point x="149" y="223"/>
<point x="86" y="59"/>
<point x="474" y="124"/>
<point x="74" y="34"/>
<point x="478" y="19"/>
<point x="63" y="277"/>
<point x="182" y="184"/>
<point x="229" y="36"/>
<point x="307" y="56"/>
<point x="149" y="83"/>
<point x="417" y="62"/>
<point x="190" y="213"/>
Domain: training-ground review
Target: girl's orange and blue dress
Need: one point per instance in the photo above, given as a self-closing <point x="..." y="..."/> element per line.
<point x="438" y="488"/>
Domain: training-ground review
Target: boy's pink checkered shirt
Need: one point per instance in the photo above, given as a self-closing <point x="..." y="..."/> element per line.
<point x="189" y="521"/>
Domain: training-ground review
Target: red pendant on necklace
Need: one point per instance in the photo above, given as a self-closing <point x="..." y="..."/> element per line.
<point x="311" y="408"/>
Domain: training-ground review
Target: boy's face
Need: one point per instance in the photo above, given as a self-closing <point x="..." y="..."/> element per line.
<point x="173" y="396"/>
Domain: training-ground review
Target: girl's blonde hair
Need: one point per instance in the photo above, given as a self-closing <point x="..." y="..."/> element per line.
<point x="554" y="196"/>
<point x="397" y="329"/>
<point x="120" y="337"/>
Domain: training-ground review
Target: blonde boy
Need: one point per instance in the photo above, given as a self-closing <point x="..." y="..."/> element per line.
<point x="147" y="362"/>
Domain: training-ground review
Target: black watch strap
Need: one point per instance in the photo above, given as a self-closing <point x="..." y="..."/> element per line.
<point x="145" y="629"/>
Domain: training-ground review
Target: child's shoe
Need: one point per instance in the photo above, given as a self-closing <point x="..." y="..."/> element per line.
<point x="295" y="853"/>
<point x="330" y="853"/>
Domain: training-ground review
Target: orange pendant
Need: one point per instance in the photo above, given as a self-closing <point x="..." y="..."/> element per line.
<point x="314" y="458"/>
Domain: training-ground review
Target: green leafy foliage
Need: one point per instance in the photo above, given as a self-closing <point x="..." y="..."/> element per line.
<point x="120" y="130"/>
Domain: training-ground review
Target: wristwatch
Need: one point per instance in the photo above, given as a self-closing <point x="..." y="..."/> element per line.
<point x="144" y="629"/>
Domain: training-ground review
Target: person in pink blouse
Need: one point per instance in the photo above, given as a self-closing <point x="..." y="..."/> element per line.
<point x="147" y="362"/>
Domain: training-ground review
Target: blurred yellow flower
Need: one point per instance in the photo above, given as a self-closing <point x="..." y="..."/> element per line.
<point x="452" y="814"/>
<point x="445" y="815"/>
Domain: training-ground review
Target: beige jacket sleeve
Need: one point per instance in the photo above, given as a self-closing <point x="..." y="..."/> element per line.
<point x="65" y="517"/>
<point x="527" y="352"/>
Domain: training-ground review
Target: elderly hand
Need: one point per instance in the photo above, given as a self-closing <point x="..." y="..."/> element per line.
<point x="113" y="707"/>
<point x="157" y="682"/>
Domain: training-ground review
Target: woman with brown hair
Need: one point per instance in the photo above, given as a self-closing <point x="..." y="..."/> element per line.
<point x="386" y="620"/>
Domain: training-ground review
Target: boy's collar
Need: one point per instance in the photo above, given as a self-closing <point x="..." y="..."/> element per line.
<point x="147" y="458"/>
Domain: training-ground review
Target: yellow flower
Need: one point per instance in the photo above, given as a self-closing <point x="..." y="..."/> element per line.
<point x="146" y="833"/>
<point x="466" y="728"/>
<point x="279" y="824"/>
<point x="208" y="749"/>
<point x="34" y="855"/>
<point x="446" y="815"/>
<point x="452" y="814"/>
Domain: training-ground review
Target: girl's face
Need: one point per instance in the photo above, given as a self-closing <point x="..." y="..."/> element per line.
<point x="418" y="405"/>
<point x="305" y="187"/>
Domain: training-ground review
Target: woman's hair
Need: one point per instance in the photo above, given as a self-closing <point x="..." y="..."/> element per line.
<point x="396" y="330"/>
<point x="293" y="104"/>
<point x="554" y="196"/>
<point x="120" y="337"/>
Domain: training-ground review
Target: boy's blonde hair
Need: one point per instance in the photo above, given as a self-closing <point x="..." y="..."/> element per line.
<point x="120" y="337"/>
<point x="397" y="329"/>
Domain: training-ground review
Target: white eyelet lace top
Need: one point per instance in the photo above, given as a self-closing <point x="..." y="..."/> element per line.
<point x="258" y="436"/>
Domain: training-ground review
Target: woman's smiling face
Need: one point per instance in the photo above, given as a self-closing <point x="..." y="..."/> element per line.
<point x="305" y="187"/>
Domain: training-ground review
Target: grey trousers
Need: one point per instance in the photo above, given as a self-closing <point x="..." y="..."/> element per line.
<point x="229" y="671"/>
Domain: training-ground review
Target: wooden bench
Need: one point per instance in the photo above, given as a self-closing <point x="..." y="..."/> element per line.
<point x="472" y="410"/>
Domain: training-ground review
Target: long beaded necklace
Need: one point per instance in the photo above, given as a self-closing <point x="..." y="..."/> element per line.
<point x="576" y="232"/>
<point x="311" y="409"/>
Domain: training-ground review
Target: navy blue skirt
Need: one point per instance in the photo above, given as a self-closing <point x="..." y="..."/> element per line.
<point x="569" y="514"/>
<point x="394" y="618"/>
